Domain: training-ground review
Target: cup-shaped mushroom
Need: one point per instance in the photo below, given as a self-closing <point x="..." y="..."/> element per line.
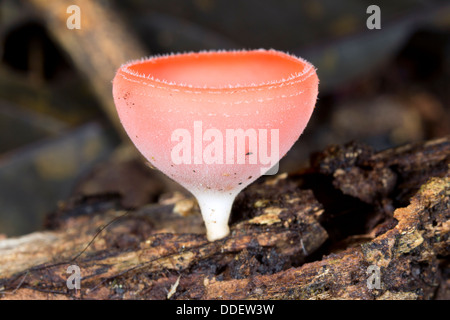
<point x="215" y="121"/>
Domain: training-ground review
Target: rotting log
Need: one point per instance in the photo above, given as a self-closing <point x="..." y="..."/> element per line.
<point x="307" y="235"/>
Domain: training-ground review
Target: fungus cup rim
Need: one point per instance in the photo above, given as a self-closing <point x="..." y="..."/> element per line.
<point x="307" y="70"/>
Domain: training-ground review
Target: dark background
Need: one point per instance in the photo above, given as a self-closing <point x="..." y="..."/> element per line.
<point x="382" y="87"/>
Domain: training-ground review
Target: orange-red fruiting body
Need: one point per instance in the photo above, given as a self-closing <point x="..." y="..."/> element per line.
<point x="220" y="90"/>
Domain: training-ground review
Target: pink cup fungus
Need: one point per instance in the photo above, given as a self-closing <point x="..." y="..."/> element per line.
<point x="215" y="121"/>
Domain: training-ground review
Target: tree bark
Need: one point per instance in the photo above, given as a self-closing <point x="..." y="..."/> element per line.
<point x="330" y="231"/>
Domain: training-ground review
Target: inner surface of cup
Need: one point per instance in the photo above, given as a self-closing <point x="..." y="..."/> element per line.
<point x="221" y="69"/>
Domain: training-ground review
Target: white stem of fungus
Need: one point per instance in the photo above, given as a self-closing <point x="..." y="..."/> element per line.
<point x="216" y="209"/>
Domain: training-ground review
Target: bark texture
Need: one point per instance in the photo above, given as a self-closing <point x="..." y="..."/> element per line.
<point x="325" y="232"/>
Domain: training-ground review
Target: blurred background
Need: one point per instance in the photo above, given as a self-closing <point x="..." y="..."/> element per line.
<point x="59" y="134"/>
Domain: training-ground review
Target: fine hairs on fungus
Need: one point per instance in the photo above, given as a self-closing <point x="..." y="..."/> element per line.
<point x="215" y="121"/>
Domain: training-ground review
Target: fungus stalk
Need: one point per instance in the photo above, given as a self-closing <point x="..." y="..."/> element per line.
<point x="215" y="209"/>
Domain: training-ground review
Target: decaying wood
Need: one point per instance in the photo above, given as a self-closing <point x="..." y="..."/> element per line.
<point x="309" y="235"/>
